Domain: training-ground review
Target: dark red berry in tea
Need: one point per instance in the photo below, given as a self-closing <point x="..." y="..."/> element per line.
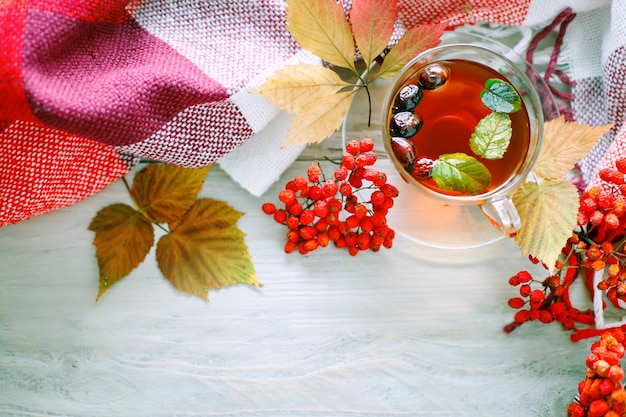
<point x="423" y="167"/>
<point x="405" y="124"/>
<point x="408" y="97"/>
<point x="433" y="76"/>
<point x="403" y="149"/>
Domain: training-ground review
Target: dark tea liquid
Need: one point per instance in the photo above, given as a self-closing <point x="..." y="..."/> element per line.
<point x="451" y="112"/>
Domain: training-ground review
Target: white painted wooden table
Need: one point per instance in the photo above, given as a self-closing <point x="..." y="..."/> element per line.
<point x="407" y="331"/>
<point x="411" y="331"/>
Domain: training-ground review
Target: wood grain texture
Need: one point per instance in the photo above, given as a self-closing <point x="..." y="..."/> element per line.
<point x="407" y="331"/>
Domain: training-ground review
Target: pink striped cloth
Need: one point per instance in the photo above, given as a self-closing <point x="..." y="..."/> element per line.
<point x="88" y="87"/>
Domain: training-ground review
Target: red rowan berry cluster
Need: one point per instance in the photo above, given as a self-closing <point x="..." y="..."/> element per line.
<point x="601" y="393"/>
<point x="318" y="211"/>
<point x="548" y="300"/>
<point x="597" y="245"/>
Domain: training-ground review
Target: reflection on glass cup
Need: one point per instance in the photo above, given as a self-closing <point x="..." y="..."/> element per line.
<point x="432" y="109"/>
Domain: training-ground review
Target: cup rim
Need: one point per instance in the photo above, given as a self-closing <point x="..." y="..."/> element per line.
<point x="502" y="190"/>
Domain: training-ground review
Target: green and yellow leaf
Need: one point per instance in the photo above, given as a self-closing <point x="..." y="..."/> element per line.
<point x="318" y="120"/>
<point x="321" y="27"/>
<point x="548" y="215"/>
<point x="564" y="144"/>
<point x="416" y="40"/>
<point x="123" y="239"/>
<point x="165" y="192"/>
<point x="492" y="136"/>
<point x="461" y="172"/>
<point x="205" y="250"/>
<point x="372" y="24"/>
<point x="298" y="85"/>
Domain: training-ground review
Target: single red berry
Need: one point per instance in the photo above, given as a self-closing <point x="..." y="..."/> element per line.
<point x="353" y="221"/>
<point x="287" y="196"/>
<point x="292" y="223"/>
<point x="330" y="188"/>
<point x="308" y="232"/>
<point x="545" y="316"/>
<point x="588" y="205"/>
<point x="620" y="164"/>
<point x="598" y="408"/>
<point x="320" y="208"/>
<point x="348" y="161"/>
<point x="268" y="208"/>
<point x="345" y="189"/>
<point x="390" y="190"/>
<point x="366" y="144"/>
<point x="524" y="276"/>
<point x="293" y="236"/>
<point x="280" y="216"/>
<point x="295" y="208"/>
<point x="321" y="225"/>
<point x="316" y="193"/>
<point x="353" y="146"/>
<point x="290" y="246"/>
<point x="522" y="316"/>
<point x="307" y="217"/>
<point x="313" y="172"/>
<point x="323" y="240"/>
<point x="516" y="302"/>
<point x="377" y="198"/>
<point x="576" y="410"/>
<point x="355" y="180"/>
<point x="616" y="373"/>
<point x="341" y="173"/>
<point x="525" y="290"/>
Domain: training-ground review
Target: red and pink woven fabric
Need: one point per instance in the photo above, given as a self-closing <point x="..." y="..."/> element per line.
<point x="88" y="87"/>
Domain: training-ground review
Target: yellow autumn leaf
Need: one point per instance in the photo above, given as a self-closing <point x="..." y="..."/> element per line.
<point x="318" y="120"/>
<point x="548" y="214"/>
<point x="205" y="250"/>
<point x="564" y="144"/>
<point x="321" y="27"/>
<point x="416" y="40"/>
<point x="297" y="85"/>
<point x="165" y="192"/>
<point x="372" y="24"/>
<point x="123" y="239"/>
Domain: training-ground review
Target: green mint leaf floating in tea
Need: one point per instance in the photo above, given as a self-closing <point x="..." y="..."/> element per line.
<point x="460" y="172"/>
<point x="492" y="136"/>
<point x="500" y="96"/>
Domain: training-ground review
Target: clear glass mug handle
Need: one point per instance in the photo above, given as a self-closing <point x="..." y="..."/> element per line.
<point x="503" y="215"/>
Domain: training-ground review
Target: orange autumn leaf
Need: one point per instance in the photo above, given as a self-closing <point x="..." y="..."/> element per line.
<point x="123" y="238"/>
<point x="165" y="192"/>
<point x="205" y="250"/>
<point x="372" y="24"/>
<point x="321" y="27"/>
<point x="416" y="40"/>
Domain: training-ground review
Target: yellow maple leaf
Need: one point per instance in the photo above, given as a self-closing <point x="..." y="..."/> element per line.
<point x="548" y="214"/>
<point x="298" y="85"/>
<point x="372" y="23"/>
<point x="205" y="250"/>
<point x="123" y="238"/>
<point x="164" y="192"/>
<point x="318" y="120"/>
<point x="416" y="40"/>
<point x="321" y="27"/>
<point x="564" y="144"/>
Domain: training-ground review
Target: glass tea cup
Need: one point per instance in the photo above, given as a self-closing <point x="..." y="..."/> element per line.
<point x="444" y="102"/>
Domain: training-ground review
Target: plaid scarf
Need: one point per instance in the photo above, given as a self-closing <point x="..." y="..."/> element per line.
<point x="88" y="88"/>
